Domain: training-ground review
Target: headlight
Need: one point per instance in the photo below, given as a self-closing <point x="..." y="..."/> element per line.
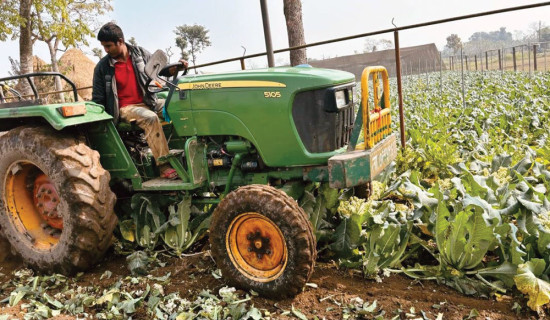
<point x="341" y="100"/>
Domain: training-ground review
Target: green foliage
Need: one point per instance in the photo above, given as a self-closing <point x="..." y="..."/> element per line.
<point x="454" y="43"/>
<point x="69" y="21"/>
<point x="156" y="219"/>
<point x="195" y="36"/>
<point x="463" y="237"/>
<point x="179" y="232"/>
<point x="528" y="281"/>
<point x="10" y="20"/>
<point x="471" y="191"/>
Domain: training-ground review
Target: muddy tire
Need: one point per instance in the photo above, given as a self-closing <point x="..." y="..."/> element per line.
<point x="262" y="240"/>
<point x="56" y="207"/>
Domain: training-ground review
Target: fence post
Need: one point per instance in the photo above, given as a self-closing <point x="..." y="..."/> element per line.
<point x="486" y="60"/>
<point x="522" y="59"/>
<point x="475" y="58"/>
<point x="529" y="57"/>
<point x="467" y="67"/>
<point x="462" y="71"/>
<point x="440" y="78"/>
<point x="535" y="57"/>
<point x="504" y="58"/>
<point x="514" y="58"/>
<point x="399" y="87"/>
<point x="499" y="60"/>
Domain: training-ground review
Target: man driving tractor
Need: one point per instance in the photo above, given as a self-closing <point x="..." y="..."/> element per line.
<point x="119" y="84"/>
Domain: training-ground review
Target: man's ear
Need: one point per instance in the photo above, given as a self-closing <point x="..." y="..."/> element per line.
<point x="120" y="42"/>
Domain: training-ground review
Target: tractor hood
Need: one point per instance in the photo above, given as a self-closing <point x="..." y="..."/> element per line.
<point x="309" y="77"/>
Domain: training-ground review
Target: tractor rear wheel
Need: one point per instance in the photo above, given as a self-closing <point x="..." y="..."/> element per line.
<point x="262" y="240"/>
<point x="56" y="207"/>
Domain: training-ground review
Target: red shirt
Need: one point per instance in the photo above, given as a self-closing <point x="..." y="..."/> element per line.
<point x="127" y="87"/>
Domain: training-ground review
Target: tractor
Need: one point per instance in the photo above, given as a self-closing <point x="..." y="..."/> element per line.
<point x="239" y="141"/>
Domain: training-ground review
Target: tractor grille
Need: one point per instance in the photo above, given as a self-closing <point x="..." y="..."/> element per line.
<point x="346" y="117"/>
<point x="321" y="125"/>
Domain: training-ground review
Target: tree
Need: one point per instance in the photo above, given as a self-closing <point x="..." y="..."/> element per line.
<point x="196" y="36"/>
<point x="295" y="31"/>
<point x="372" y="45"/>
<point x="545" y="34"/>
<point x="499" y="35"/>
<point x="98" y="52"/>
<point x="169" y="53"/>
<point x="181" y="43"/>
<point x="25" y="43"/>
<point x="58" y="23"/>
<point x="67" y="23"/>
<point x="133" y="41"/>
<point x="15" y="22"/>
<point x="454" y="43"/>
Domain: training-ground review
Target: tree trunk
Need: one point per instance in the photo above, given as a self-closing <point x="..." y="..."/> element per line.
<point x="295" y="30"/>
<point x="52" y="46"/>
<point x="25" y="44"/>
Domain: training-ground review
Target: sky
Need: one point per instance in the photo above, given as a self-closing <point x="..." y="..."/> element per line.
<point x="236" y="25"/>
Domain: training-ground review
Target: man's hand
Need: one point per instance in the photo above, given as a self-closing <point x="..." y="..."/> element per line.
<point x="174" y="70"/>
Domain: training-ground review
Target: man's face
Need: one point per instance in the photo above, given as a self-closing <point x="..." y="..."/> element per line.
<point x="113" y="49"/>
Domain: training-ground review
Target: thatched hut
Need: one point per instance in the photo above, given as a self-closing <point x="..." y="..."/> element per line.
<point x="80" y="69"/>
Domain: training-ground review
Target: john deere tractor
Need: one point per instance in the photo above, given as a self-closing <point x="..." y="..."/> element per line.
<point x="237" y="141"/>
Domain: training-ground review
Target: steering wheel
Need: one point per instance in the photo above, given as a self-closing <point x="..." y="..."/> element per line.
<point x="168" y="71"/>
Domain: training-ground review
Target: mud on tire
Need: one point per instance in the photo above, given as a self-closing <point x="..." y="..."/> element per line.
<point x="85" y="201"/>
<point x="282" y="216"/>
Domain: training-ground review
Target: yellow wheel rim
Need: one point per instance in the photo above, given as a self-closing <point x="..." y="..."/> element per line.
<point x="257" y="247"/>
<point x="23" y="211"/>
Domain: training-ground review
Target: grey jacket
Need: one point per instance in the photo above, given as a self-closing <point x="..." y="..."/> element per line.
<point x="104" y="87"/>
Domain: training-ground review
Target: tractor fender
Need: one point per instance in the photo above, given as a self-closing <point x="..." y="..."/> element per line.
<point x="53" y="114"/>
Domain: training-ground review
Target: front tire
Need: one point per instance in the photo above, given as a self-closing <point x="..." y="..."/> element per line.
<point x="56" y="207"/>
<point x="262" y="240"/>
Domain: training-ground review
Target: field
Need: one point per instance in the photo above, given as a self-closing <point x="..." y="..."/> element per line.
<point x="458" y="228"/>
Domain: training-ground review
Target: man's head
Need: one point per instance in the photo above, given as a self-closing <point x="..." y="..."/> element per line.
<point x="112" y="40"/>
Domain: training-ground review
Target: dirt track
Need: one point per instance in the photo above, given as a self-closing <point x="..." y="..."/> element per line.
<point x="328" y="295"/>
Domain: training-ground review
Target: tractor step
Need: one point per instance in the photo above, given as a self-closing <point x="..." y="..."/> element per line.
<point x="162" y="184"/>
<point x="173" y="153"/>
<point x="176" y="152"/>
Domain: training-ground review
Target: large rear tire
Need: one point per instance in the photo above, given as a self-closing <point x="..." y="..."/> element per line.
<point x="262" y="240"/>
<point x="56" y="207"/>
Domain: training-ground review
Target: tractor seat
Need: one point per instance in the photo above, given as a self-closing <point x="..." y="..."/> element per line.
<point x="132" y="126"/>
<point x="127" y="127"/>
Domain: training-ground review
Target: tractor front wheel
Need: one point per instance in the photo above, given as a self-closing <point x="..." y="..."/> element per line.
<point x="56" y="207"/>
<point x="262" y="240"/>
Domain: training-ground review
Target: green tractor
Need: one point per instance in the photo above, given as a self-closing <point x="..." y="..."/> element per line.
<point x="238" y="141"/>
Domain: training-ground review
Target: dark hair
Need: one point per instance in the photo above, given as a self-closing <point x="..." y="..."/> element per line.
<point x="110" y="32"/>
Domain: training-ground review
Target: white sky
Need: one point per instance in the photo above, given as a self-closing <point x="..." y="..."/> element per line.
<point x="237" y="23"/>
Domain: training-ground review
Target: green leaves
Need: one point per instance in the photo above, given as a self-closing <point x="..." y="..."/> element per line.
<point x="462" y="238"/>
<point x="176" y="232"/>
<point x="149" y="223"/>
<point x="347" y="234"/>
<point x="528" y="282"/>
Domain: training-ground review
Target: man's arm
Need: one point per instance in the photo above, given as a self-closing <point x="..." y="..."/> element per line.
<point x="99" y="94"/>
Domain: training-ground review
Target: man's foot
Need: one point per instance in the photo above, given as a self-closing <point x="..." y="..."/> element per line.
<point x="168" y="172"/>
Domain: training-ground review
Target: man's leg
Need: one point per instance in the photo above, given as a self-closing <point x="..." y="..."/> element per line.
<point x="147" y="120"/>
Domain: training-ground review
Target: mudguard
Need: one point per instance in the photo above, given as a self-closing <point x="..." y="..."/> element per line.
<point x="53" y="115"/>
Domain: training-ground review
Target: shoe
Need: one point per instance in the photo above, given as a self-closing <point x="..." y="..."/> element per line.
<point x="169" y="173"/>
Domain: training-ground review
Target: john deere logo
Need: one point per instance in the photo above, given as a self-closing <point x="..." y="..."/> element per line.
<point x="206" y="85"/>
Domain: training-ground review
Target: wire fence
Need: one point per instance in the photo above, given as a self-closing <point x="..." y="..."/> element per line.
<point x="529" y="57"/>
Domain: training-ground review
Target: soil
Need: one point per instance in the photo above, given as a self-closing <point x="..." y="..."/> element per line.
<point x="329" y="290"/>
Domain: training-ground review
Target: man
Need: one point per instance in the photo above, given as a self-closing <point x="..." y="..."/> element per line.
<point x="119" y="85"/>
